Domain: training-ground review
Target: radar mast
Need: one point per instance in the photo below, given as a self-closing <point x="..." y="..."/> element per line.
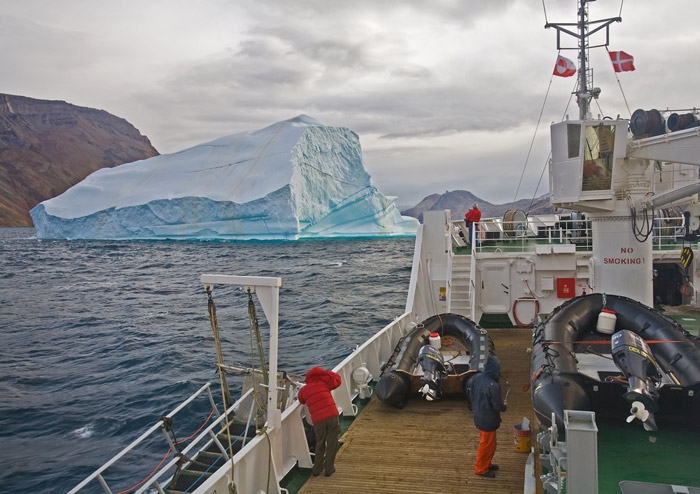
<point x="582" y="31"/>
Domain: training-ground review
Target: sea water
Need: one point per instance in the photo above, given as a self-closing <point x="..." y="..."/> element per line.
<point x="99" y="339"/>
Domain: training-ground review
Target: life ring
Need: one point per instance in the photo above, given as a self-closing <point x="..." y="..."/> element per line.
<point x="515" y="313"/>
<point x="687" y="290"/>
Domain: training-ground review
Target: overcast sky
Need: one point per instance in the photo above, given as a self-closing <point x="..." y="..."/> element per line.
<point x="444" y="95"/>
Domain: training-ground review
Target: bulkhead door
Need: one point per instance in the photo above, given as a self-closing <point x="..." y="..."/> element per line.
<point x="493" y="288"/>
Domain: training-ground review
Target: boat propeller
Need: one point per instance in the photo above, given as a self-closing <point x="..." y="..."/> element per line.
<point x="639" y="411"/>
<point x="427" y="392"/>
<point x="633" y="357"/>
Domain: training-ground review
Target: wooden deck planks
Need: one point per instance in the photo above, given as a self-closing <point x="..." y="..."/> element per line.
<point x="431" y="447"/>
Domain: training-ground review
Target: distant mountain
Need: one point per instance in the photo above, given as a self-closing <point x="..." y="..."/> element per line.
<point x="460" y="201"/>
<point x="48" y="146"/>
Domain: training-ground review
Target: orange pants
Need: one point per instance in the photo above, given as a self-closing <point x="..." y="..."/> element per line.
<point x="485" y="452"/>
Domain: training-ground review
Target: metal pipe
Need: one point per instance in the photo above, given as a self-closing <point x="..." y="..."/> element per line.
<point x="674" y="195"/>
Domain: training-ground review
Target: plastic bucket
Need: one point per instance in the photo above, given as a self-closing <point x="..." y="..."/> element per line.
<point x="606" y="322"/>
<point x="522" y="439"/>
<point x="435" y="340"/>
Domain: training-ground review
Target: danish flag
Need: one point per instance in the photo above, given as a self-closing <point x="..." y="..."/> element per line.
<point x="564" y="67"/>
<point x="622" y="62"/>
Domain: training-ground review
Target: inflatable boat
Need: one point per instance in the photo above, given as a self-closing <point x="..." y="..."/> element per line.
<point x="436" y="358"/>
<point x="617" y="357"/>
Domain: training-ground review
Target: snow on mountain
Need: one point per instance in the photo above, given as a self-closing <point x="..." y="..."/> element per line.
<point x="294" y="179"/>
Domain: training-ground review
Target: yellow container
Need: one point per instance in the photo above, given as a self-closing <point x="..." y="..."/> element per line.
<point x="521" y="439"/>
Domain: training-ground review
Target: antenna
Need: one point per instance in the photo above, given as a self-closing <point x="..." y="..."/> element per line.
<point x="583" y="30"/>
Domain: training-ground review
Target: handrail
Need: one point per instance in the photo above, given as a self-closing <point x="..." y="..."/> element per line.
<point x="97" y="474"/>
<point x="195" y="441"/>
<point x="551" y="229"/>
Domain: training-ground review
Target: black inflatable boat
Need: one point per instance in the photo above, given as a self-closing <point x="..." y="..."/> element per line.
<point x="436" y="358"/>
<point x="617" y="357"/>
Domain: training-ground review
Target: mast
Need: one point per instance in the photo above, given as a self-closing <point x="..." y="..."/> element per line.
<point x="583" y="97"/>
<point x="586" y="28"/>
<point x="587" y="175"/>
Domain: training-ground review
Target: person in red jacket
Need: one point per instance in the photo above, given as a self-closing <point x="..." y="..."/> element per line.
<point x="316" y="395"/>
<point x="471" y="217"/>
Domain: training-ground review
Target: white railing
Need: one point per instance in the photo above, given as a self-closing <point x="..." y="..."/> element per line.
<point x="280" y="446"/>
<point x="372" y="355"/>
<point x="157" y="479"/>
<point x="522" y="236"/>
<point x="264" y="460"/>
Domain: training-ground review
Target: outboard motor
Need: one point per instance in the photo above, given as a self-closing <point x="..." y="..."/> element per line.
<point x="633" y="357"/>
<point x="433" y="364"/>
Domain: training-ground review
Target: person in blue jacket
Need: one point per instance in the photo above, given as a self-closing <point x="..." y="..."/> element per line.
<point x="487" y="405"/>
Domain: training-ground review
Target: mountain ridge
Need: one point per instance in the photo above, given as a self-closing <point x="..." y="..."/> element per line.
<point x="460" y="201"/>
<point x="47" y="146"/>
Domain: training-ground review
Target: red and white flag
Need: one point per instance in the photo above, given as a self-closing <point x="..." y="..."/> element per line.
<point x="564" y="67"/>
<point x="622" y="62"/>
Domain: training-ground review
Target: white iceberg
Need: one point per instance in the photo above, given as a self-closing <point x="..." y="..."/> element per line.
<point x="294" y="179"/>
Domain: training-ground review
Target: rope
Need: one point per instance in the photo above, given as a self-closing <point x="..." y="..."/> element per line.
<point x="269" y="458"/>
<point x="222" y="375"/>
<point x="148" y="477"/>
<point x="256" y="328"/>
<point x="544" y="7"/>
<point x="532" y="142"/>
<point x="549" y="157"/>
<point x="617" y="78"/>
<point x="539" y="182"/>
<point x="198" y="430"/>
<point x="621" y="4"/>
<point x="168" y="425"/>
<point x="219" y="354"/>
<point x="254" y="333"/>
<point x="607" y="342"/>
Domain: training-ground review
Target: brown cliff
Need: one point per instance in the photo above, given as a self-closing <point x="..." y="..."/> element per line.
<point x="48" y="146"/>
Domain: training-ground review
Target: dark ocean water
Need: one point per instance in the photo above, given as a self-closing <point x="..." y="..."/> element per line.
<point x="99" y="339"/>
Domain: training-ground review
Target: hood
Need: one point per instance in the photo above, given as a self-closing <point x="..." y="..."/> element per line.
<point x="316" y="374"/>
<point x="493" y="368"/>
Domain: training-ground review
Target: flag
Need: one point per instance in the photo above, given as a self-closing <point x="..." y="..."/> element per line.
<point x="564" y="67"/>
<point x="622" y="62"/>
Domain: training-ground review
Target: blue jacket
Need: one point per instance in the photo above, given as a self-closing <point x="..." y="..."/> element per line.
<point x="485" y="396"/>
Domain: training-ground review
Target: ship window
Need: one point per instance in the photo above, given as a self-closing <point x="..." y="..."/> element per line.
<point x="598" y="157"/>
<point x="573" y="137"/>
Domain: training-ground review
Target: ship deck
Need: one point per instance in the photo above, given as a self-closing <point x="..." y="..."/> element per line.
<point x="431" y="446"/>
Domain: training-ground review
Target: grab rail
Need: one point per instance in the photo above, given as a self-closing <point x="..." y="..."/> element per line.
<point x="494" y="233"/>
<point x="98" y="473"/>
<point x="155" y="480"/>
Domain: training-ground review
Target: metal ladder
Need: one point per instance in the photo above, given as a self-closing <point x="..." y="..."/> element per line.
<point x="459" y="301"/>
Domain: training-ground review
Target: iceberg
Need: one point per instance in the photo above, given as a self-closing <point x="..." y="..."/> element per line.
<point x="291" y="180"/>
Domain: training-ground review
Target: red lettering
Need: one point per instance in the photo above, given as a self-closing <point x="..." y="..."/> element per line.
<point x="623" y="260"/>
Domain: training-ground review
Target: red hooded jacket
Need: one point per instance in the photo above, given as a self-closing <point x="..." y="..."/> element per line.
<point x="472" y="216"/>
<point x="316" y="394"/>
